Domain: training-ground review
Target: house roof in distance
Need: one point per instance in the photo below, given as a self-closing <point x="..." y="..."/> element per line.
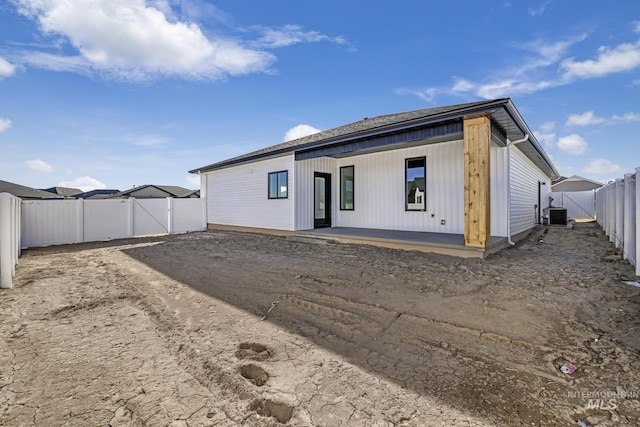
<point x="171" y="191"/>
<point x="575" y="183"/>
<point x="25" y="192"/>
<point x="63" y="191"/>
<point x="96" y="194"/>
<point x="503" y="114"/>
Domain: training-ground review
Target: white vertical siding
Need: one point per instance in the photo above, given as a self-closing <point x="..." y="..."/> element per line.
<point x="525" y="176"/>
<point x="304" y="190"/>
<point x="379" y="190"/>
<point x="239" y="195"/>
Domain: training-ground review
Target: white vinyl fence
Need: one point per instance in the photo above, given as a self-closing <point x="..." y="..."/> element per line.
<point x="579" y="204"/>
<point x="618" y="216"/>
<point x="9" y="238"/>
<point x="56" y="222"/>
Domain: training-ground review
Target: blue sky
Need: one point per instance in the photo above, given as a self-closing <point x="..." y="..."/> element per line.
<point x="117" y="93"/>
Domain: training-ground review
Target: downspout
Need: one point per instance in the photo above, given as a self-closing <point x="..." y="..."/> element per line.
<point x="526" y="137"/>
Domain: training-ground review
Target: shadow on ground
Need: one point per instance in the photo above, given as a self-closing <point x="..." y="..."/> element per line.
<point x="487" y="337"/>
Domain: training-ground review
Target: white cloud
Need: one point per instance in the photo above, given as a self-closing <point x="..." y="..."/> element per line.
<point x="585" y="119"/>
<point x="130" y="40"/>
<point x="628" y="117"/>
<point x="53" y="62"/>
<point x="624" y="57"/>
<point x="509" y="87"/>
<point x="539" y="10"/>
<point x="4" y="124"/>
<point x="602" y="167"/>
<point x="84" y="183"/>
<point x="6" y="68"/>
<point x="293" y="34"/>
<point x="521" y="79"/>
<point x="193" y="181"/>
<point x="548" y="126"/>
<point x="573" y="144"/>
<point x="546" y="135"/>
<point x="548" y="139"/>
<point x="427" y="94"/>
<point x="462" y="85"/>
<point x="39" y="166"/>
<point x="544" y="65"/>
<point x="300" y="131"/>
<point x="147" y="140"/>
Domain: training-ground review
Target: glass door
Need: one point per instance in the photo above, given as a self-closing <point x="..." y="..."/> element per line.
<point x="322" y="200"/>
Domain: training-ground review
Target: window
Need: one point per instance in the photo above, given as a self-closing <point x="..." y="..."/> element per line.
<point x="415" y="177"/>
<point x="346" y="188"/>
<point x="278" y="185"/>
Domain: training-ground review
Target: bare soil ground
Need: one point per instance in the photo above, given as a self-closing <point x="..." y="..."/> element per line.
<point x="235" y="329"/>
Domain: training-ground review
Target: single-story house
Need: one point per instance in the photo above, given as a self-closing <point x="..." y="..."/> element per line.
<point x="462" y="177"/>
<point x="63" y="191"/>
<point x="574" y="183"/>
<point x="26" y="193"/>
<point x="577" y="195"/>
<point x="156" y="192"/>
<point x="99" y="193"/>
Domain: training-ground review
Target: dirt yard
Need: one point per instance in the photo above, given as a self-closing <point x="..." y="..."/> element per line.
<point x="234" y="329"/>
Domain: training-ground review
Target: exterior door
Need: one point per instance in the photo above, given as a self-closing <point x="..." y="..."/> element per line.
<point x="322" y="199"/>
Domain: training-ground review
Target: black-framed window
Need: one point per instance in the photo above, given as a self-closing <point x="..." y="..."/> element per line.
<point x="278" y="185"/>
<point x="415" y="172"/>
<point x="346" y="188"/>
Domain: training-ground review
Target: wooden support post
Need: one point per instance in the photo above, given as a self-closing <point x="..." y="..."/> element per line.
<point x="477" y="182"/>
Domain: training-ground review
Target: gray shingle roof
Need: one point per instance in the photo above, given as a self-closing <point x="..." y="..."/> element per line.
<point x="63" y="191"/>
<point x="505" y="115"/>
<point x="25" y="192"/>
<point x="172" y="190"/>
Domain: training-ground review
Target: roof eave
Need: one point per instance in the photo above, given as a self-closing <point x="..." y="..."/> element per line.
<point x="395" y="127"/>
<point x="493" y="108"/>
<point x="519" y="121"/>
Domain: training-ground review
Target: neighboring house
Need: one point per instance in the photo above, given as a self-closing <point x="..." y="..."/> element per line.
<point x="577" y="195"/>
<point x="478" y="167"/>
<point x="415" y="194"/>
<point x="96" y="194"/>
<point x="64" y="191"/>
<point x="26" y="193"/>
<point x="157" y="191"/>
<point x="575" y="183"/>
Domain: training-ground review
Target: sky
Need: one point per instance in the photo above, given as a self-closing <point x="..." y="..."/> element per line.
<point x="119" y="93"/>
